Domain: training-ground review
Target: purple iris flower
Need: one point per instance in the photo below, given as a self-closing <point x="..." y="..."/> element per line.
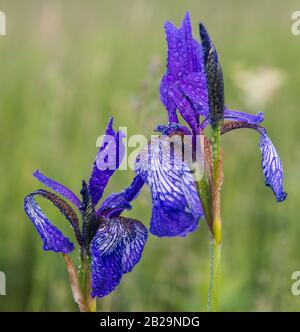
<point x="193" y="80"/>
<point x="113" y="244"/>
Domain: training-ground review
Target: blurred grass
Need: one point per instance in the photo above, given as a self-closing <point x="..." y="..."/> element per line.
<point x="66" y="66"/>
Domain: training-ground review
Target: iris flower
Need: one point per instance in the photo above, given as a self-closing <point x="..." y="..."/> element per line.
<point x="192" y="87"/>
<point x="111" y="244"/>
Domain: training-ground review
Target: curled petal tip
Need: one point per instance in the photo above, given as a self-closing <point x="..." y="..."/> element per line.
<point x="281" y="197"/>
<point x="261" y="116"/>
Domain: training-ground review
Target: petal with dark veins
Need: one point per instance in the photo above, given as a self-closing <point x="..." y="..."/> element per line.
<point x="176" y="206"/>
<point x="52" y="237"/>
<point x="116" y="248"/>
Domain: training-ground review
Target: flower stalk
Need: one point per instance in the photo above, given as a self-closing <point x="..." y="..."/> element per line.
<point x="81" y="295"/>
<point x="215" y="267"/>
<point x="216" y="235"/>
<point x="84" y="273"/>
<point x="209" y="191"/>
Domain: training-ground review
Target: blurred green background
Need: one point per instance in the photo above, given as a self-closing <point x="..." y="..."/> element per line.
<point x="66" y="66"/>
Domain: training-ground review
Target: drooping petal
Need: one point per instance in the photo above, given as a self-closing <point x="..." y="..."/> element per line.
<point x="176" y="206"/>
<point x="272" y="167"/>
<point x="116" y="248"/>
<point x="57" y="187"/>
<point x="116" y="203"/>
<point x="214" y="79"/>
<point x="271" y="163"/>
<point x="112" y="149"/>
<point x="52" y="237"/>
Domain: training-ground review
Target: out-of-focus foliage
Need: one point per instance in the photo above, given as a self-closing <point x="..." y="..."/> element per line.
<point x="66" y="66"/>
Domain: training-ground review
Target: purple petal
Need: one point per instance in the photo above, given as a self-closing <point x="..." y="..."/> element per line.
<point x="114" y="204"/>
<point x="192" y="48"/>
<point x="116" y="248"/>
<point x="177" y="59"/>
<point x="112" y="148"/>
<point x="52" y="237"/>
<point x="272" y="167"/>
<point x="271" y="163"/>
<point x="185" y="107"/>
<point x="173" y="128"/>
<point x="176" y="205"/>
<point x="58" y="188"/>
<point x="195" y="89"/>
<point x="184" y="64"/>
<point x="245" y="117"/>
<point x="184" y="53"/>
<point x="166" y="100"/>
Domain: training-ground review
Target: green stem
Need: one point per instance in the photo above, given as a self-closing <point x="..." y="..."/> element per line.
<point x="85" y="283"/>
<point x="216" y="239"/>
<point x="216" y="145"/>
<point x="215" y="267"/>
